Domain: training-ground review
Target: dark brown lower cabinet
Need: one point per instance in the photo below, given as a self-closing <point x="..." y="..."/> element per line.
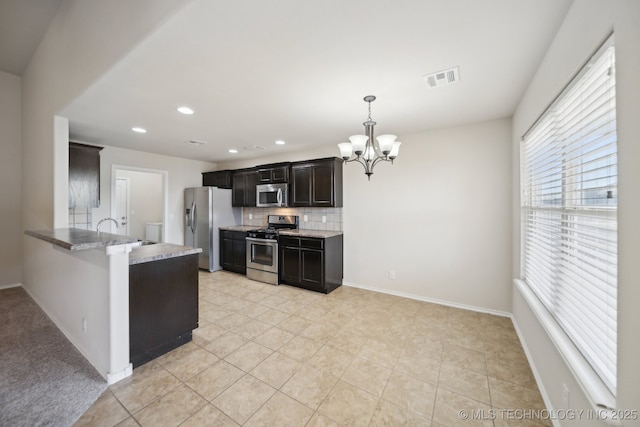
<point x="311" y="263"/>
<point x="233" y="251"/>
<point x="163" y="306"/>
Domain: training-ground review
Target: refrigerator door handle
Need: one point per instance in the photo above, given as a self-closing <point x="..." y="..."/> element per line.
<point x="194" y="217"/>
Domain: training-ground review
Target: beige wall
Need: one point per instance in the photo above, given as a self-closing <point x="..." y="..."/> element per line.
<point x="445" y="203"/>
<point x="10" y="181"/>
<point x="586" y="26"/>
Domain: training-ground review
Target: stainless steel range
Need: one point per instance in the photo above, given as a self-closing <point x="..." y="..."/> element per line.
<point x="262" y="248"/>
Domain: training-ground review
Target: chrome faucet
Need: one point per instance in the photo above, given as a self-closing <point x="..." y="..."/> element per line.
<point x="103" y="220"/>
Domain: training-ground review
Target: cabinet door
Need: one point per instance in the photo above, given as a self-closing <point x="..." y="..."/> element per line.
<point x="251" y="181"/>
<point x="240" y="253"/>
<point x="84" y="176"/>
<point x="220" y="179"/>
<point x="322" y="185"/>
<point x="301" y="185"/>
<point x="238" y="185"/>
<point x="280" y="174"/>
<point x="226" y="253"/>
<point x="244" y="188"/>
<point x="290" y="264"/>
<point x="312" y="269"/>
<point x="264" y="176"/>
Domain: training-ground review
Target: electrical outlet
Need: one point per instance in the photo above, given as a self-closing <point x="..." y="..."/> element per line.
<point x="565" y="396"/>
<point x="250" y="216"/>
<point x="392" y="275"/>
<point x="324" y="218"/>
<point x="305" y="218"/>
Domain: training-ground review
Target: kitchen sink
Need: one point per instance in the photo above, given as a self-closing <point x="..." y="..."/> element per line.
<point x="146" y="242"/>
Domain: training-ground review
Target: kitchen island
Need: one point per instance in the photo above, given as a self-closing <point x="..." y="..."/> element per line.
<point x="80" y="278"/>
<point x="163" y="299"/>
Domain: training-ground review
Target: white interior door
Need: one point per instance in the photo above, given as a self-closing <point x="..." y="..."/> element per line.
<point x="122" y="206"/>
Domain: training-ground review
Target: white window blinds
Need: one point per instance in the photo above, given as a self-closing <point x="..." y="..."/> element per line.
<point x="569" y="215"/>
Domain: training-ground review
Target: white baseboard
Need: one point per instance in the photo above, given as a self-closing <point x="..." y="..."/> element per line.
<point x="113" y="378"/>
<point x="11" y="285"/>
<point x="536" y="374"/>
<point x="431" y="300"/>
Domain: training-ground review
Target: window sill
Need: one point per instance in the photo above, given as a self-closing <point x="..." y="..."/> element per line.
<point x="598" y="394"/>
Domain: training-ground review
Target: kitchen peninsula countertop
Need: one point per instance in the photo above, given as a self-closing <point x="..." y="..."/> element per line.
<point x="159" y="251"/>
<point x="76" y="239"/>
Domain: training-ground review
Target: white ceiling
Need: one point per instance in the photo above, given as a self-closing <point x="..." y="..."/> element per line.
<point x="22" y="26"/>
<point x="257" y="71"/>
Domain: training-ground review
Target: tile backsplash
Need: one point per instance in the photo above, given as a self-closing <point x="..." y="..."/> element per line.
<point x="80" y="218"/>
<point x="333" y="217"/>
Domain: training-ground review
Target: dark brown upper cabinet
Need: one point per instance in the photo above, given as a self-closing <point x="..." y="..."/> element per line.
<point x="271" y="174"/>
<point x="84" y="176"/>
<point x="244" y="187"/>
<point x="317" y="183"/>
<point x="220" y="179"/>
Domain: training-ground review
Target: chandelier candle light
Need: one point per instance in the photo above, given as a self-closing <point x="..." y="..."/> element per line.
<point x="366" y="151"/>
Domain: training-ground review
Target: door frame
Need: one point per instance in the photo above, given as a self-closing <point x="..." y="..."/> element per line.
<point x="113" y="205"/>
<point x="165" y="192"/>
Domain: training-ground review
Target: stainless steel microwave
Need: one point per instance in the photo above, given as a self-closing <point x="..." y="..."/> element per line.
<point x="272" y="195"/>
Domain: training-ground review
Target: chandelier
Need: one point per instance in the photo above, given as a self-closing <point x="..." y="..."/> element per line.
<point x="366" y="151"/>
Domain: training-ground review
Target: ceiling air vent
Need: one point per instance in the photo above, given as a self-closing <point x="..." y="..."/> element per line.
<point x="443" y="78"/>
<point x="253" y="147"/>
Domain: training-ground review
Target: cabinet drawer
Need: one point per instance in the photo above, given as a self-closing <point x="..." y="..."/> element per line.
<point x="312" y="243"/>
<point x="289" y="241"/>
<point x="225" y="234"/>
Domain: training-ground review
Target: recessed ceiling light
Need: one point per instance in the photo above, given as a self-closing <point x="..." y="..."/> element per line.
<point x="233" y="151"/>
<point x="139" y="130"/>
<point x="185" y="110"/>
<point x="280" y="142"/>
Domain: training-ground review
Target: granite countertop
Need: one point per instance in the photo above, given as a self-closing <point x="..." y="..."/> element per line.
<point x="240" y="227"/>
<point x="75" y="239"/>
<point x="320" y="234"/>
<point x="159" y="251"/>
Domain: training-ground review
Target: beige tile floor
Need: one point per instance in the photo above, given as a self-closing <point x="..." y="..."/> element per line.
<point x="281" y="356"/>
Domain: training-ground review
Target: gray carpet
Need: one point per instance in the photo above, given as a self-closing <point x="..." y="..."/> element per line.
<point x="44" y="380"/>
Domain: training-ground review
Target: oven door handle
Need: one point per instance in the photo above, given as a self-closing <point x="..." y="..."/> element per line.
<point x="253" y="239"/>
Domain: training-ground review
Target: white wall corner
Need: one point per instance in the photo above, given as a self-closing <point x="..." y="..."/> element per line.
<point x="61" y="172"/>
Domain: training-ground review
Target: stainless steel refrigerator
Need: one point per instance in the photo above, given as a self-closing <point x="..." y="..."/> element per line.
<point x="206" y="209"/>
